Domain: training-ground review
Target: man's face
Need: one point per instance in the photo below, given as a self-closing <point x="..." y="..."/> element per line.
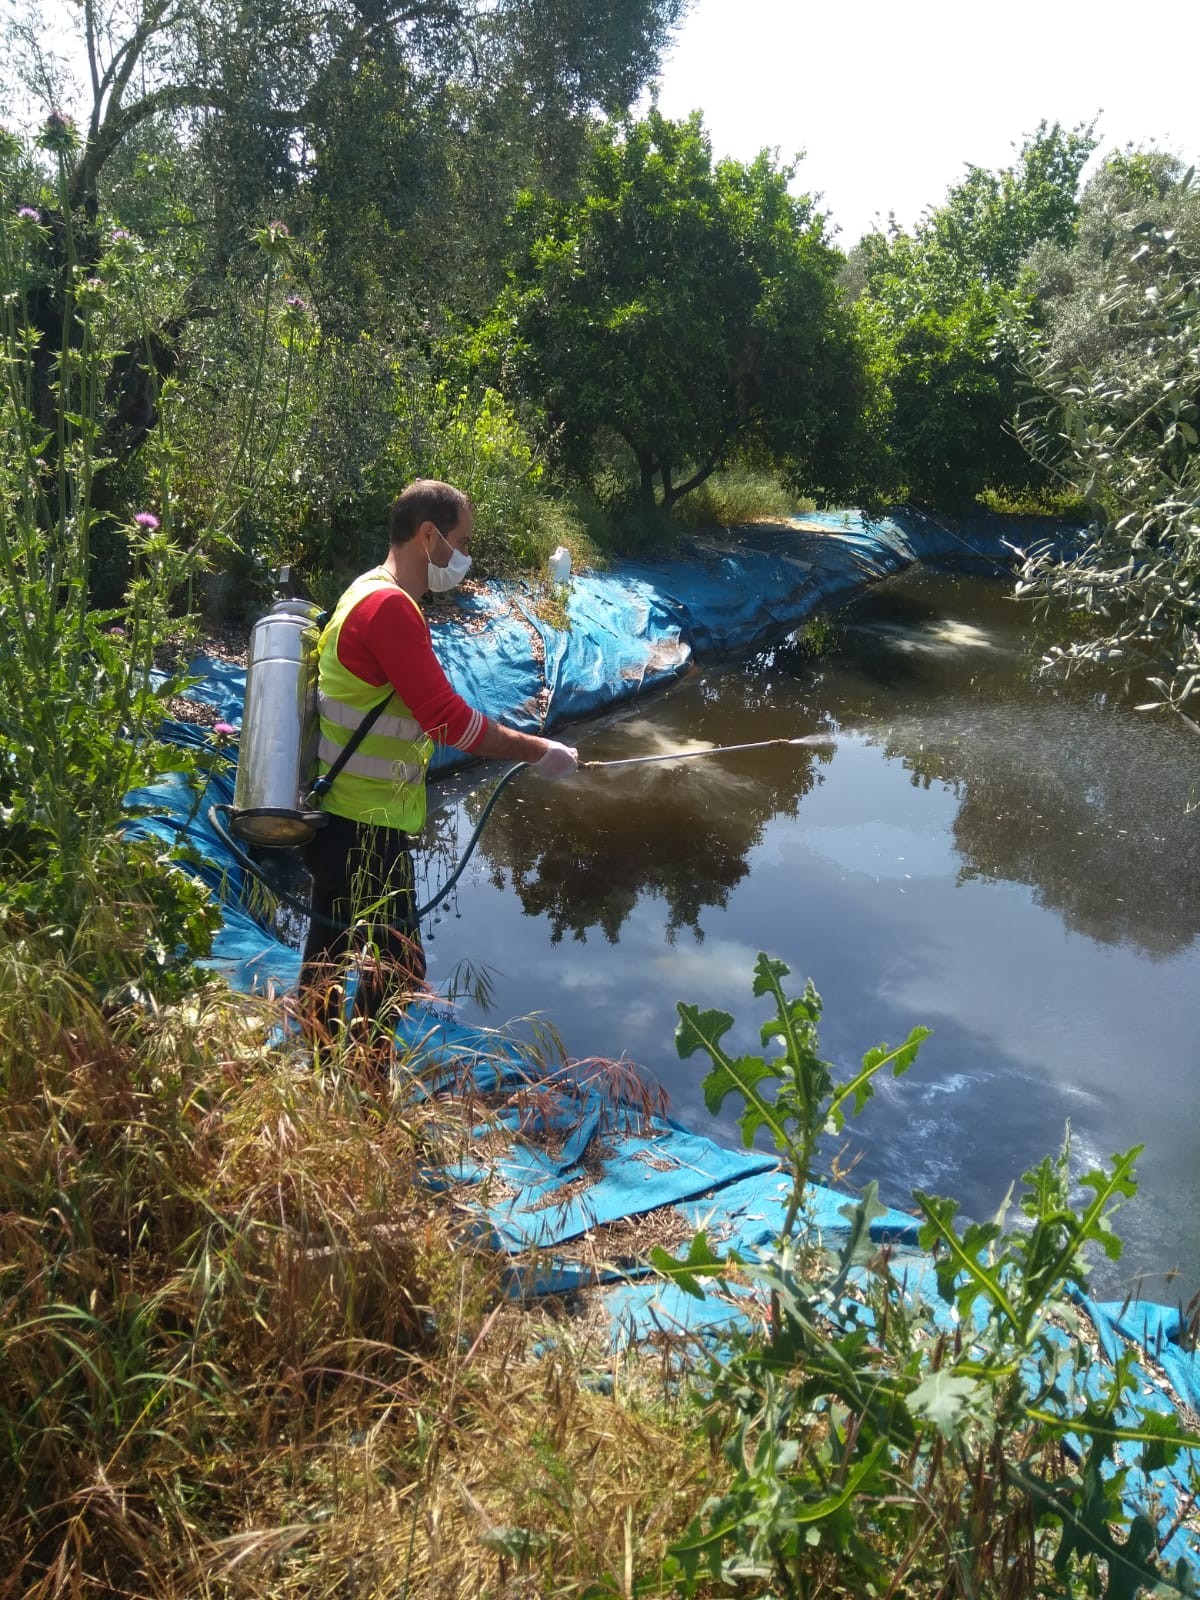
<point x="439" y="545"/>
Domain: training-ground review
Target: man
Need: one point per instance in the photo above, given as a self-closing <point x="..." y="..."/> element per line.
<point x="361" y="861"/>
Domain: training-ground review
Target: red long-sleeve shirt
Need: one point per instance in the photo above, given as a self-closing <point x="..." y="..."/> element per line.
<point x="386" y="639"/>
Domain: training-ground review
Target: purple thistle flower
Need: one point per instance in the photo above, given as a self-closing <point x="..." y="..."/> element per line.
<point x="117" y="630"/>
<point x="295" y="303"/>
<point x="58" y="133"/>
<point x="121" y="236"/>
<point x="146" y="519"/>
<point x="28" y="214"/>
<point x="224" y="728"/>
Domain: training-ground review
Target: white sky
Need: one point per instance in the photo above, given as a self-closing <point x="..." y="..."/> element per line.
<point x="891" y="100"/>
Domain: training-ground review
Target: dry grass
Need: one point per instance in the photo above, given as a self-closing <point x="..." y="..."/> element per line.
<point x="244" y="1351"/>
<point x="505" y="1472"/>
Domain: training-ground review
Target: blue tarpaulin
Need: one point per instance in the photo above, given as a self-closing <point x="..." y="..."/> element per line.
<point x="577" y="1162"/>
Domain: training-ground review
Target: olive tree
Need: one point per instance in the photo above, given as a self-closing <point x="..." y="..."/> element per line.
<point x="267" y="69"/>
<point x="1115" y="368"/>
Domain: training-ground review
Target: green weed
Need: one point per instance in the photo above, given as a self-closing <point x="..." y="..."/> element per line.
<point x="82" y="699"/>
<point x="878" y="1448"/>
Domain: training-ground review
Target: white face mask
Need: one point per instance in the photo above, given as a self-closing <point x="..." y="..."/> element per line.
<point x="442" y="579"/>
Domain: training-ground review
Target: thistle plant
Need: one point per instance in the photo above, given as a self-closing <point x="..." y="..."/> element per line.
<point x="915" y="1422"/>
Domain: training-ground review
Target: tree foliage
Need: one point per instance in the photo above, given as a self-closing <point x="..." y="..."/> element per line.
<point x="358" y="93"/>
<point x="1116" y="370"/>
<point x="388" y="137"/>
<point x="939" y="301"/>
<point x="689" y="309"/>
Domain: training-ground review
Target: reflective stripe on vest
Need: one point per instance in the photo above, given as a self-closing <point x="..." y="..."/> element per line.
<point x="361" y="766"/>
<point x="383" y="782"/>
<point x="344" y="716"/>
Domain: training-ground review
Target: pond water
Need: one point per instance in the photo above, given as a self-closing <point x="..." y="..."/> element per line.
<point x="1013" y="862"/>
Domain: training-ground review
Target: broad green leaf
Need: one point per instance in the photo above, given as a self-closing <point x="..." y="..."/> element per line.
<point x="818" y="1511"/>
<point x="940" y="1215"/>
<point x="699" y="1262"/>
<point x="699" y="1030"/>
<point x="1161" y="1432"/>
<point x="859" y="1245"/>
<point x="859" y="1087"/>
<point x="516" y="1543"/>
<point x="768" y="974"/>
<point x="945" y="1400"/>
<point x="704" y="1030"/>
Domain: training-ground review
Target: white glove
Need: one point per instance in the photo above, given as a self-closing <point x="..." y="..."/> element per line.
<point x="559" y="761"/>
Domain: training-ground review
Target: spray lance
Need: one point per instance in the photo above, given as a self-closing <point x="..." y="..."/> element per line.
<point x="276" y="801"/>
<point x="712" y="750"/>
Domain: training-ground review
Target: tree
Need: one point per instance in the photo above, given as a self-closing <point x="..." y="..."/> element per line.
<point x="351" y="122"/>
<point x="691" y="310"/>
<point x="1115" y="367"/>
<point x="266" y="68"/>
<point x="939" y="300"/>
<point x="364" y="125"/>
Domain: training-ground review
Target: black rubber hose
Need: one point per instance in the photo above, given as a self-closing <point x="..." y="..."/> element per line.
<point x="505" y="778"/>
<point x="216" y="814"/>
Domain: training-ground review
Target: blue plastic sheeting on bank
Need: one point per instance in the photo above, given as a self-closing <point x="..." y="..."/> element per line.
<point x="490" y="661"/>
<point x="639" y="1311"/>
<point x="1158" y="1330"/>
<point x="637" y="1173"/>
<point x="579" y="1160"/>
<point x="623" y="638"/>
<point x="1137" y="1330"/>
<point x="638" y="625"/>
<point x="221" y="685"/>
<point x="173" y="812"/>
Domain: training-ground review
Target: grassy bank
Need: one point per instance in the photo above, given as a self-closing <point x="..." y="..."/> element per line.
<point x="243" y="1350"/>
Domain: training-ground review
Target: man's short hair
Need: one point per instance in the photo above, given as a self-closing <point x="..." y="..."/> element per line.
<point x="426" y="500"/>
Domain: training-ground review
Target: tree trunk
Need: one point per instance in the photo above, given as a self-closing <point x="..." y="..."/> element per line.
<point x="646" y="465"/>
<point x="673" y="492"/>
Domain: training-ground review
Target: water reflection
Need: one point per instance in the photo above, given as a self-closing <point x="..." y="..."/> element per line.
<point x="1086" y="801"/>
<point x="677" y="832"/>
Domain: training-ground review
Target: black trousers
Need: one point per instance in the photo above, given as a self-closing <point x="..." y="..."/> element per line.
<point x="363" y="901"/>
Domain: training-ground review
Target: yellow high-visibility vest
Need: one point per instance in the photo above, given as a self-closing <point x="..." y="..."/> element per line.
<point x="383" y="782"/>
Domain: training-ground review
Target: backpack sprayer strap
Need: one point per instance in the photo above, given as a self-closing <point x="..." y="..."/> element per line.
<point x="325" y="782"/>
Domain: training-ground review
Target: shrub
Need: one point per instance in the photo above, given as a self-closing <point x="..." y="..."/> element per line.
<point x="469" y="437"/>
<point x="82" y="698"/>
